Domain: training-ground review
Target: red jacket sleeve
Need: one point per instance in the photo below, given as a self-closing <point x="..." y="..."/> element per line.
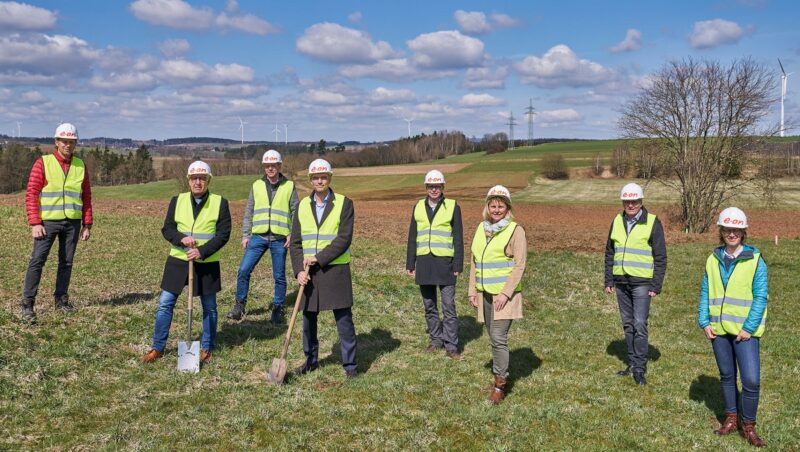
<point x="86" y="196"/>
<point x="36" y="181"/>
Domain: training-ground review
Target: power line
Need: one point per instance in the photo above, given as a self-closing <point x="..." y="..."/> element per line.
<point x="511" y="123"/>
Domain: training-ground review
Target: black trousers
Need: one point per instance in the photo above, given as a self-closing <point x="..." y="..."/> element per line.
<point x="67" y="232"/>
<point x="347" y="337"/>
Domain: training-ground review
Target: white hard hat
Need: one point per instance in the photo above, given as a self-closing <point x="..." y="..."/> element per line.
<point x="631" y="192"/>
<point x="271" y="156"/>
<point x="434" y="177"/>
<point x="499" y="190"/>
<point x="320" y="166"/>
<point x="732" y="217"/>
<point x="199" y="167"/>
<point x="66" y="131"/>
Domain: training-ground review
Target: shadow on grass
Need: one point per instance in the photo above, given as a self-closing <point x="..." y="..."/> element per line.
<point x="521" y="364"/>
<point x="371" y="346"/>
<point x="128" y="298"/>
<point x="233" y="334"/>
<point x="468" y="330"/>
<point x="619" y="349"/>
<point x="706" y="389"/>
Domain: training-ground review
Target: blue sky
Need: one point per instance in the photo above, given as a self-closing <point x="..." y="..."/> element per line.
<point x="350" y="70"/>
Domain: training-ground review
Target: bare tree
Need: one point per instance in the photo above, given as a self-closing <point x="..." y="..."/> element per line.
<point x="703" y="117"/>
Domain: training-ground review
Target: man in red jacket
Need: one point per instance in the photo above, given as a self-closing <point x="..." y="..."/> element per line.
<point x="58" y="201"/>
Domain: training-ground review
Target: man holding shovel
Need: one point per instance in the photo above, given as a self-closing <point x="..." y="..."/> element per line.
<point x="197" y="225"/>
<point x="322" y="231"/>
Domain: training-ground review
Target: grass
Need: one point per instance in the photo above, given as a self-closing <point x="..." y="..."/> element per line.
<point x="76" y="383"/>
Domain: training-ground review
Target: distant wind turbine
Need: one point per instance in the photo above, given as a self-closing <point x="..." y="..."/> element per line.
<point x="784" y="79"/>
<point x="241" y="128"/>
<point x="286" y="134"/>
<point x="19" y="129"/>
<point x="277" y="131"/>
<point x="409" y="121"/>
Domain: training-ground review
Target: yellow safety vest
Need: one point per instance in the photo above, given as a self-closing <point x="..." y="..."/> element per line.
<point x="202" y="229"/>
<point x="314" y="238"/>
<point x="728" y="307"/>
<point x="492" y="266"/>
<point x="633" y="255"/>
<point x="61" y="198"/>
<point x="435" y="238"/>
<point x="275" y="216"/>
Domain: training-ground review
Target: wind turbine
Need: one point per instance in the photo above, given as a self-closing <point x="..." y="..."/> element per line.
<point x="241" y="127"/>
<point x="784" y="79"/>
<point x="277" y="131"/>
<point x="409" y="121"/>
<point x="286" y="134"/>
<point x="19" y="129"/>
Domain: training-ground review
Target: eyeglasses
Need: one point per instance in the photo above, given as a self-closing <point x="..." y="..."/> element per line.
<point x="434" y="187"/>
<point x="735" y="231"/>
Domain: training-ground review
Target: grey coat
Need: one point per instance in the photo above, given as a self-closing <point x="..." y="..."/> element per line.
<point x="331" y="286"/>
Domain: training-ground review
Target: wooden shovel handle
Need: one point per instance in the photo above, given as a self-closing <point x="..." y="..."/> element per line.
<point x="191" y="299"/>
<point x="285" y="350"/>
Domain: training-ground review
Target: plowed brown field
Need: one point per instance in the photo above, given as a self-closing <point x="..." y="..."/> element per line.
<point x="549" y="227"/>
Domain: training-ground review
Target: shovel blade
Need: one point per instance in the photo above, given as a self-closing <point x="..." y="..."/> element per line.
<point x="189" y="356"/>
<point x="277" y="372"/>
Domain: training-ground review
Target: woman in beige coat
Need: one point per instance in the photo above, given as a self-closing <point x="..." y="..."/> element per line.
<point x="499" y="253"/>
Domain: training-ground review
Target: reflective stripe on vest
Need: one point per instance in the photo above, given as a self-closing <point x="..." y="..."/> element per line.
<point x="728" y="307"/>
<point x="314" y="238"/>
<point x="275" y="216"/>
<point x="492" y="266"/>
<point x="633" y="255"/>
<point x="202" y="228"/>
<point x="61" y="198"/>
<point x="436" y="238"/>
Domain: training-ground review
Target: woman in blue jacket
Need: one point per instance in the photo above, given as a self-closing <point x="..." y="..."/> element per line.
<point x="732" y="313"/>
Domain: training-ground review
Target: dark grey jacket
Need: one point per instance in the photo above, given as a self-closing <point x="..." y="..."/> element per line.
<point x="207" y="275"/>
<point x="659" y="246"/>
<point x="430" y="269"/>
<point x="331" y="286"/>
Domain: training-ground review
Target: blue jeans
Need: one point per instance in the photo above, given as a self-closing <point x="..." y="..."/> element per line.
<point x="164" y="319"/>
<point x="256" y="248"/>
<point x="634" y="309"/>
<point x="745" y="354"/>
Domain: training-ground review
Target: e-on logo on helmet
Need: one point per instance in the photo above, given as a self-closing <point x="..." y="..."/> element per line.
<point x="318" y="169"/>
<point x="197" y="170"/>
<point x="65" y="134"/>
<point x="732" y="221"/>
<point x="435" y="179"/>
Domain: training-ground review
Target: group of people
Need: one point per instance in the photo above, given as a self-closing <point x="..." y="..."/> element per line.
<point x="317" y="232"/>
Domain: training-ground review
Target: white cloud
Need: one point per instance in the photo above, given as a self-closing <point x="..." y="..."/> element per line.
<point x="715" y="32"/>
<point x="395" y="70"/>
<point x="554" y="118"/>
<point x="130" y="81"/>
<point x="184" y="71"/>
<point x="446" y="50"/>
<point x="21" y="16"/>
<point x="632" y="41"/>
<point x="247" y="23"/>
<point x="588" y="97"/>
<point x="33" y="97"/>
<point x="337" y="44"/>
<point x="483" y="77"/>
<point x="382" y="96"/>
<point x="51" y="55"/>
<point x="355" y="16"/>
<point x="505" y="21"/>
<point x="174" y="47"/>
<point x="559" y="66"/>
<point x="181" y="15"/>
<point x="321" y="96"/>
<point x="238" y="90"/>
<point x="472" y="22"/>
<point x="480" y="100"/>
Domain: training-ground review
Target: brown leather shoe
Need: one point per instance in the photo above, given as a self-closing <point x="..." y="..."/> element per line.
<point x="499" y="391"/>
<point x="205" y="356"/>
<point x="454" y="355"/>
<point x="151" y="356"/>
<point x="749" y="433"/>
<point x="729" y="424"/>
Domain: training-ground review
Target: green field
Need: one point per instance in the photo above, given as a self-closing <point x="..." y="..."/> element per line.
<point x="76" y="382"/>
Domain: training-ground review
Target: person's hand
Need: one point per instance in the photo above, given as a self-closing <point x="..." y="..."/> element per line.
<point x="610" y="289"/>
<point x="85" y="233"/>
<point x="303" y="278"/>
<point x="188" y="242"/>
<point x="499" y="301"/>
<point x="193" y="254"/>
<point x="245" y="242"/>
<point x="473" y="300"/>
<point x="411" y="272"/>
<point x="286" y="243"/>
<point x="651" y="293"/>
<point x="309" y="261"/>
<point x="742" y="336"/>
<point x="38" y="232"/>
<point x="456" y="273"/>
<point x="709" y="331"/>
